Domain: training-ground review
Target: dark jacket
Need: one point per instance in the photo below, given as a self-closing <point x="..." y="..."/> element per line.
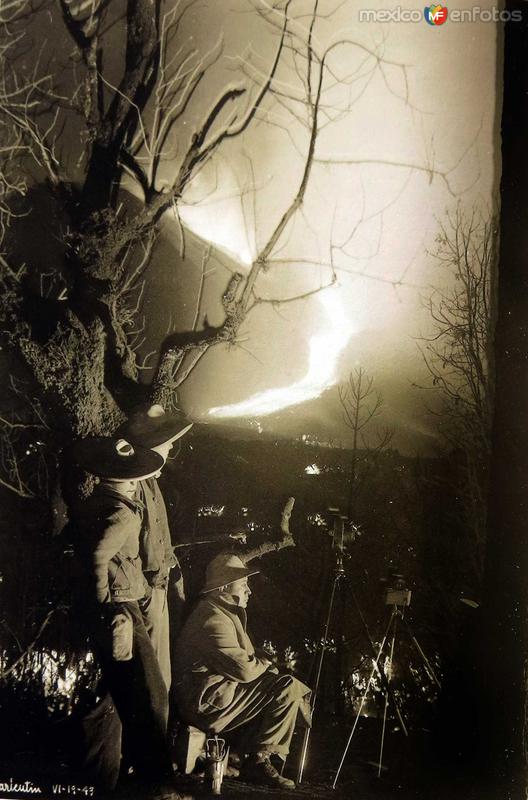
<point x="213" y="654"/>
<point x="106" y="532"/>
<point x="155" y="546"/>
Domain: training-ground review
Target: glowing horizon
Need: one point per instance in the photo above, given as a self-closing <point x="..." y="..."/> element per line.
<point x="324" y="351"/>
<point x="226" y="231"/>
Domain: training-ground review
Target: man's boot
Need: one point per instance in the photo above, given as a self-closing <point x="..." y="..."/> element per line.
<point x="258" y="769"/>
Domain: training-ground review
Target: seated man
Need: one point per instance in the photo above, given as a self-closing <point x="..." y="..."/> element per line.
<point x="222" y="683"/>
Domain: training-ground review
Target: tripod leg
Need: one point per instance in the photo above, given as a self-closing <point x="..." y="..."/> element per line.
<point x="304" y="753"/>
<point x="385" y="710"/>
<point x="388" y="690"/>
<point x="375" y="669"/>
<point x="381" y="675"/>
<point x="382" y="743"/>
<point x="427" y="664"/>
<point x="306" y="740"/>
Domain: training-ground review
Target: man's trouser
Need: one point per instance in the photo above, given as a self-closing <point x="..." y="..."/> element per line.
<point x="270" y="704"/>
<point x="100" y="743"/>
<point x="139" y="696"/>
<point x="156" y="614"/>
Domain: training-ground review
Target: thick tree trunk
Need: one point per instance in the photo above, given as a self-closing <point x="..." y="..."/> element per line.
<point x="504" y="656"/>
<point x="70" y="371"/>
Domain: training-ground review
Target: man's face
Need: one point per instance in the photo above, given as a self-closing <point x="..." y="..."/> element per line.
<point x="128" y="488"/>
<point x="240" y="591"/>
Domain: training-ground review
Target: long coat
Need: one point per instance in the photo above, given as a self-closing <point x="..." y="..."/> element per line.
<point x="107" y="527"/>
<point x="213" y="655"/>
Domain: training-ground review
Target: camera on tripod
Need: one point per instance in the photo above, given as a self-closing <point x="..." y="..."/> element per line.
<point x="340" y="528"/>
<point x="398" y="594"/>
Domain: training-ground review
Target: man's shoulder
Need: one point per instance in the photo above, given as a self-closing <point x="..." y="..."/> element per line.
<point x="208" y="613"/>
<point x="151" y="482"/>
<point x="152" y="494"/>
<point x="207" y="623"/>
<point x="108" y="505"/>
<point x="206" y="607"/>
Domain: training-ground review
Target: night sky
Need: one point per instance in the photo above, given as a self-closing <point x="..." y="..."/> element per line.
<point x="413" y="111"/>
<point x="432" y="105"/>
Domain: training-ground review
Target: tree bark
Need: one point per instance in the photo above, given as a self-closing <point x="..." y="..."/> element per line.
<point x="253" y="553"/>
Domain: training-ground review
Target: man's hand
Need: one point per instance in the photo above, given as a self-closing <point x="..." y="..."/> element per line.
<point x="270" y="666"/>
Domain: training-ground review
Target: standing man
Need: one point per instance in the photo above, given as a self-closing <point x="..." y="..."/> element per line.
<point x="157" y="430"/>
<point x="107" y="534"/>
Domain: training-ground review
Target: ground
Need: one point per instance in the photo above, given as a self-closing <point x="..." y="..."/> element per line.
<point x="402" y="776"/>
<point x="413" y="769"/>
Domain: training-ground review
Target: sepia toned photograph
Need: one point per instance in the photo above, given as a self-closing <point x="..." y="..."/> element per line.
<point x="263" y="428"/>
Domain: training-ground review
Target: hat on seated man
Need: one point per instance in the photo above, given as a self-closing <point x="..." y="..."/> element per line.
<point x="224" y="685"/>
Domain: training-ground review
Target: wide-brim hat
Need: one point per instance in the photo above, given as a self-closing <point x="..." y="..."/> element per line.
<point x="116" y="459"/>
<point x="155" y="426"/>
<point x="225" y="569"/>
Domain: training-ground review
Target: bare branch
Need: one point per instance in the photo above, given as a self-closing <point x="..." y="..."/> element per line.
<point x="29" y="649"/>
<point x="457" y="356"/>
<point x="360" y="404"/>
<point x="273" y="546"/>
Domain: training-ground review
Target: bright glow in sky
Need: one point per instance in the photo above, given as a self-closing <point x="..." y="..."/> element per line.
<point x="325" y="348"/>
<point x="223" y="230"/>
<point x="375" y="219"/>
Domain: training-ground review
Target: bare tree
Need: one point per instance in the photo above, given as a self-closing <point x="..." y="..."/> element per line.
<point x="361" y="403"/>
<point x="458" y="358"/>
<point x="109" y="117"/>
<point x="102" y="102"/>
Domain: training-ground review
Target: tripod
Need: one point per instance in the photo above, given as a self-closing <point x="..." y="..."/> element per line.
<point x="398" y="599"/>
<point x="339" y="536"/>
<point x="339" y="571"/>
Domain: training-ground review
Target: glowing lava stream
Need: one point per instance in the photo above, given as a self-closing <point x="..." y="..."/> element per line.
<point x="325" y="349"/>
